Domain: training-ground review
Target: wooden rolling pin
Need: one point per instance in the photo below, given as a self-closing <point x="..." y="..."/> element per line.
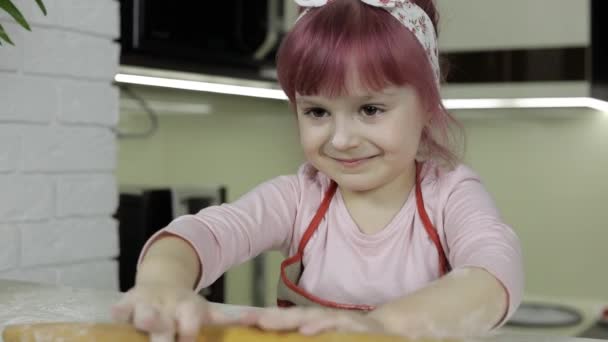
<point x="101" y="332"/>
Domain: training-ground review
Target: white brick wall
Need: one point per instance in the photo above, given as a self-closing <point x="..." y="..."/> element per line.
<point x="68" y="148"/>
<point x="9" y="56"/>
<point x="92" y="102"/>
<point x="9" y="253"/>
<point x="89" y="56"/>
<point x="19" y="108"/>
<point x="10" y="148"/>
<point x="57" y="148"/>
<point x="74" y="195"/>
<point x="26" y="197"/>
<point x="95" y="17"/>
<point x="66" y="241"/>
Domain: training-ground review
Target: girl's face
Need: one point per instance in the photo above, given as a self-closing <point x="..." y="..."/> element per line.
<point x="364" y="141"/>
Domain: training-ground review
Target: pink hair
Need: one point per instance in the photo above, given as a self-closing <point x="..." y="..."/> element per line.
<point x="314" y="58"/>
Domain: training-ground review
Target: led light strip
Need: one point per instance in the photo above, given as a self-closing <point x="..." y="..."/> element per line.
<point x="277" y="94"/>
<point x="532" y="102"/>
<point x="266" y="93"/>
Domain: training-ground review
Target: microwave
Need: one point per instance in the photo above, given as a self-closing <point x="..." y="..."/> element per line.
<point x="235" y="38"/>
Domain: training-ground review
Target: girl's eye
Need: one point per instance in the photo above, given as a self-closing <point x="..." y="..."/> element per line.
<point x="370" y="110"/>
<point x="316" y="113"/>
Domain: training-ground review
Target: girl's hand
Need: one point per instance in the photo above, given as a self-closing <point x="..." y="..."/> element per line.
<point x="166" y="311"/>
<point x="312" y="321"/>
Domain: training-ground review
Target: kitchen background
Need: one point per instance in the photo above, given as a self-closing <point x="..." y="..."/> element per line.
<point x="62" y="165"/>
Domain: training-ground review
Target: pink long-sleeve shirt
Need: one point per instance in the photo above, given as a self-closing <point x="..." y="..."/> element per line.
<point x="344" y="265"/>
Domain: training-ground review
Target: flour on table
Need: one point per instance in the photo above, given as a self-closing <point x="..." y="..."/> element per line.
<point x="25" y="303"/>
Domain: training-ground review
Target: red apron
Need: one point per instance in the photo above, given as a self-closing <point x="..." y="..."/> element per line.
<point x="288" y="292"/>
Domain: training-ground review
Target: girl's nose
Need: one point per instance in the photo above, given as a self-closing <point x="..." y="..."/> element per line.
<point x="344" y="135"/>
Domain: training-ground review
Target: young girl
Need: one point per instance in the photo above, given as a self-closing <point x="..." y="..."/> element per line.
<point x="384" y="230"/>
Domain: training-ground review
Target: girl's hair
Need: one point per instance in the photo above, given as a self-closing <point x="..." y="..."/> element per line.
<point x="316" y="56"/>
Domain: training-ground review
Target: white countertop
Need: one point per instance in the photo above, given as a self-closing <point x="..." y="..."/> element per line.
<point x="589" y="309"/>
<point x="35" y="303"/>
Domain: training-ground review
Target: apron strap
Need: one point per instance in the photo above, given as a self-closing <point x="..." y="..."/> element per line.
<point x="312" y="227"/>
<point x="444" y="265"/>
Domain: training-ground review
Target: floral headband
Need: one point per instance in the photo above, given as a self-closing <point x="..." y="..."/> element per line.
<point x="410" y="15"/>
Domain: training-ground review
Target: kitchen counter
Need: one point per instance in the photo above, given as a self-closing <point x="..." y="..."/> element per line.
<point x="22" y="303"/>
<point x="590" y="310"/>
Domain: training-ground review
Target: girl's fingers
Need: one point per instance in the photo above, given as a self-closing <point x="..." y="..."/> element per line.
<point x="290" y="319"/>
<point x="166" y="313"/>
<point x="145" y="317"/>
<point x="251" y="317"/>
<point x="310" y="321"/>
<point x="164" y="330"/>
<point x="318" y="326"/>
<point x="215" y="316"/>
<point x="149" y="319"/>
<point x="189" y="316"/>
<point x="122" y="312"/>
<point x="277" y="319"/>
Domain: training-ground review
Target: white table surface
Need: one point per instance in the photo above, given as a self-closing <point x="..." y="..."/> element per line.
<point x="22" y="303"/>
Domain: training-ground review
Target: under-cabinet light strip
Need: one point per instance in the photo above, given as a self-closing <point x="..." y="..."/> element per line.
<point x="277" y="94"/>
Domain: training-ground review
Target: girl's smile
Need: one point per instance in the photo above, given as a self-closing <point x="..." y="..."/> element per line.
<point x="354" y="162"/>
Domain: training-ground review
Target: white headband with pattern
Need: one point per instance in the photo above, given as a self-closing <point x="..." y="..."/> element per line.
<point x="410" y="15"/>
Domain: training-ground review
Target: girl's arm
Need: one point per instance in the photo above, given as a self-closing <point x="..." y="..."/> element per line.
<point x="468" y="301"/>
<point x="227" y="235"/>
<point x="170" y="261"/>
<point x="196" y="249"/>
<point x="486" y="284"/>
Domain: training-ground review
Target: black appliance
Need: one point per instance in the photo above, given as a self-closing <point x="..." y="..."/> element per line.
<point x="235" y="38"/>
<point x="142" y="211"/>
